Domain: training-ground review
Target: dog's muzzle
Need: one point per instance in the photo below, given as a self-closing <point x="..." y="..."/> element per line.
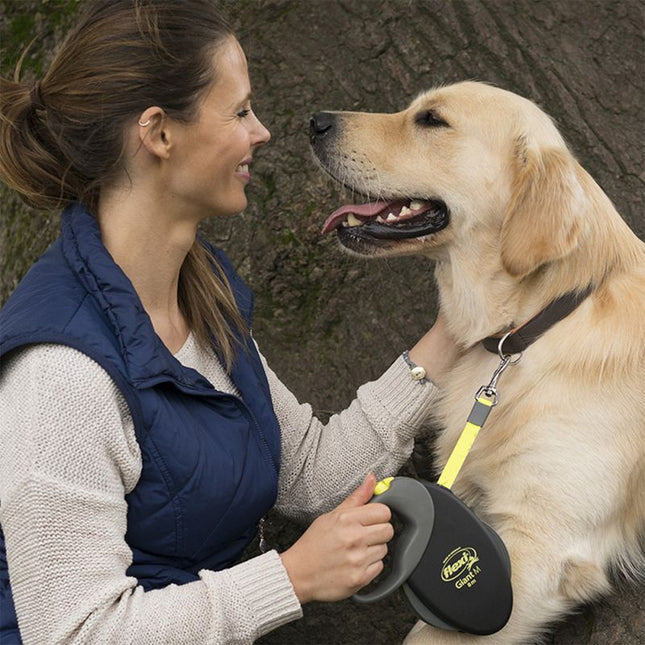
<point x="373" y="224"/>
<point x="322" y="125"/>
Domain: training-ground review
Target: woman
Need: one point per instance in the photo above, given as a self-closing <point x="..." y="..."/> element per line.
<point x="143" y="436"/>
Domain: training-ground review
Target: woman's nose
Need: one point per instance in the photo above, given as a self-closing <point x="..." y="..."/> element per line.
<point x="262" y="134"/>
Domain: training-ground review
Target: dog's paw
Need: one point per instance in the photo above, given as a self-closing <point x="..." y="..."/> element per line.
<point x="418" y="635"/>
<point x="582" y="580"/>
<point x="424" y="634"/>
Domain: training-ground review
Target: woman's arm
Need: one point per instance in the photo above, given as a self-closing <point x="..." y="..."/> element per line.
<point x="68" y="457"/>
<point x="323" y="463"/>
<point x="342" y="550"/>
<point x="436" y="351"/>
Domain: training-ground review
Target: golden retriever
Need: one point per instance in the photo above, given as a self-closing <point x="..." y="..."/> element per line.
<point x="480" y="180"/>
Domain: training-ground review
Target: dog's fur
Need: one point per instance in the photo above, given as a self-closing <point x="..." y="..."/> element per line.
<point x="559" y="468"/>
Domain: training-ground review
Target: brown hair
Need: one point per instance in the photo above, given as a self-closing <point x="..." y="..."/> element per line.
<point x="62" y="137"/>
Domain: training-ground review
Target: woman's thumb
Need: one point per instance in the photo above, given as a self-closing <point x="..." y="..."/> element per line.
<point x="363" y="493"/>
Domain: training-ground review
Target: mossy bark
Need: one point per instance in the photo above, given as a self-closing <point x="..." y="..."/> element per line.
<point x="327" y="322"/>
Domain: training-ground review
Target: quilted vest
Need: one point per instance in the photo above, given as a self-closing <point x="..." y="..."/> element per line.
<point x="210" y="459"/>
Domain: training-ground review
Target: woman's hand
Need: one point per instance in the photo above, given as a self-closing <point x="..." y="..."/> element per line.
<point x="342" y="550"/>
<point x="436" y="351"/>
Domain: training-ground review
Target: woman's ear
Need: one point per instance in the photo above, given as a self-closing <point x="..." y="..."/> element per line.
<point x="154" y="132"/>
<point x="544" y="214"/>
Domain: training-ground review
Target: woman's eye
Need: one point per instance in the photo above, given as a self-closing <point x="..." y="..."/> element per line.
<point x="244" y="112"/>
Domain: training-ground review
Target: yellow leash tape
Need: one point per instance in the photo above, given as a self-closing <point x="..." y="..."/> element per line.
<point x="476" y="420"/>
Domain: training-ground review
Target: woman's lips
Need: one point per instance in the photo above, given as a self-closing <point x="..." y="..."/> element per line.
<point x="243" y="170"/>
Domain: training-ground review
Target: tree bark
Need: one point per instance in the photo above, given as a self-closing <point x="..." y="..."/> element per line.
<point x="326" y="322"/>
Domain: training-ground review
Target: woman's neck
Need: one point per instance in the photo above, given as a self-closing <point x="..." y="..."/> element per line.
<point x="150" y="243"/>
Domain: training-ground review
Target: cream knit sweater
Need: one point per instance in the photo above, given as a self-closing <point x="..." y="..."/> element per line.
<point x="68" y="456"/>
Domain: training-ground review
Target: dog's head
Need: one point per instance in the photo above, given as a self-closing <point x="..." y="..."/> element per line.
<point x="467" y="164"/>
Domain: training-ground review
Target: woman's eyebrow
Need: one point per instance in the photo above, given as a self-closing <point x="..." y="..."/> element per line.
<point x="246" y="99"/>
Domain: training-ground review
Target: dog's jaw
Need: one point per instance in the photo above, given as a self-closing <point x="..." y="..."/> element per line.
<point x="495" y="301"/>
<point x="361" y="246"/>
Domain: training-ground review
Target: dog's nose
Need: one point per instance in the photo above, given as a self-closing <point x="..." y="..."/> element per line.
<point x="320" y="125"/>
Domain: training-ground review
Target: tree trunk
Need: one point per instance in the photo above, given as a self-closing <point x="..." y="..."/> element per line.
<point x="328" y="323"/>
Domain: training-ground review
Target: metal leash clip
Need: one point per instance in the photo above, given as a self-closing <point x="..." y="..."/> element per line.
<point x="490" y="390"/>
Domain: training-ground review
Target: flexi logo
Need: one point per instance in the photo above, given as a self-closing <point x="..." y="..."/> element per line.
<point x="460" y="565"/>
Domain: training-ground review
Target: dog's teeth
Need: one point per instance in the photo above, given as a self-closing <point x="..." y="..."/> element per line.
<point x="380" y="220"/>
<point x="416" y="205"/>
<point x="391" y="217"/>
<point x="352" y="220"/>
<point x="404" y="211"/>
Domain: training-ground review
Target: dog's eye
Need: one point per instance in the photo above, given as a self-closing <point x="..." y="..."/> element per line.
<point x="430" y="119"/>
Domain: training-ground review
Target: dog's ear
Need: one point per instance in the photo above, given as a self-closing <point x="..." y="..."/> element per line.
<point x="543" y="217"/>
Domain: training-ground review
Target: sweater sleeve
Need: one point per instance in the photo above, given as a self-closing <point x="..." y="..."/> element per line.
<point x="68" y="457"/>
<point x="322" y="463"/>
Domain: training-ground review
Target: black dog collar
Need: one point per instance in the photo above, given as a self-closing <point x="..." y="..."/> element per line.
<point x="521" y="337"/>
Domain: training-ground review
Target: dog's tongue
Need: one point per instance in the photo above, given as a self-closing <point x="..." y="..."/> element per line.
<point x="371" y="209"/>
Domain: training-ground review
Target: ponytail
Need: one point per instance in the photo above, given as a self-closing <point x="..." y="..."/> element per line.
<point x="31" y="163"/>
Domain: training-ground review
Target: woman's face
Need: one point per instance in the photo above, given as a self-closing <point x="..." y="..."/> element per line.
<point x="212" y="155"/>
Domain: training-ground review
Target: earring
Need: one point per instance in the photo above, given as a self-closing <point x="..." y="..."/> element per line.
<point x="144" y="125"/>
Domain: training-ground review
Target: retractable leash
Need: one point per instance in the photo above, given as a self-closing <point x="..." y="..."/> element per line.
<point x="454" y="568"/>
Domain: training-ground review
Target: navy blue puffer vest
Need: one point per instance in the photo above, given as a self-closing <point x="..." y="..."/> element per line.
<point x="210" y="459"/>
